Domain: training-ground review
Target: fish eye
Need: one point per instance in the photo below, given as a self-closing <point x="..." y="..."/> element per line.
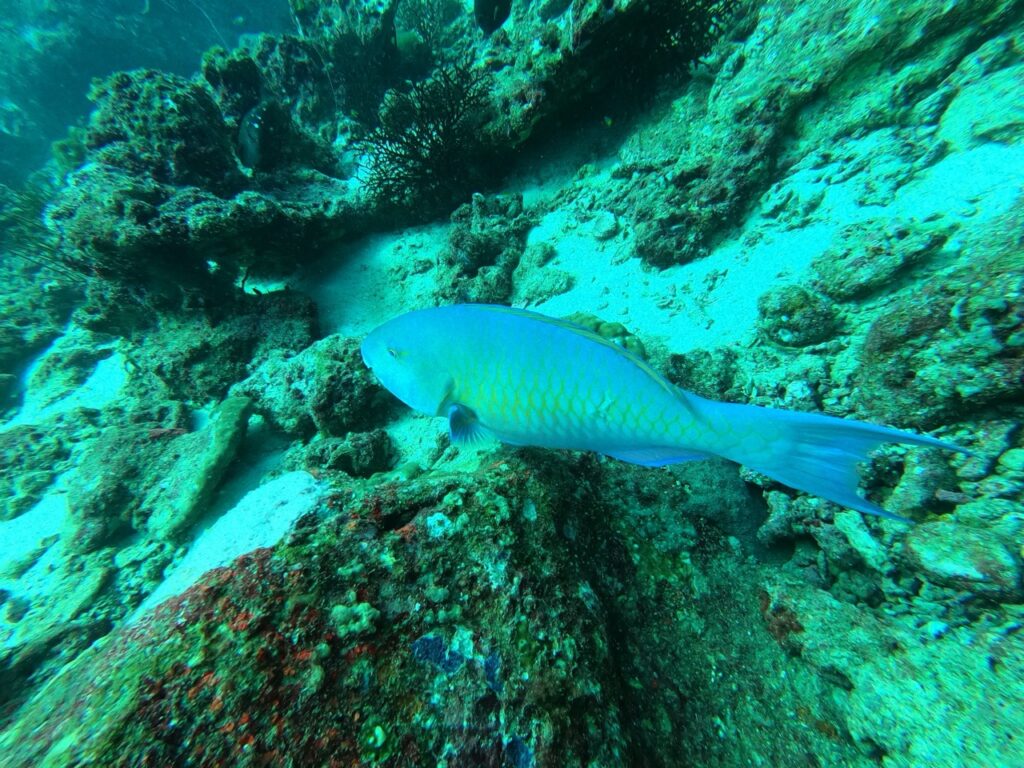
<point x="393" y="352"/>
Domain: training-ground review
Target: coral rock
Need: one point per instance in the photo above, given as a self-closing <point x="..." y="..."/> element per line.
<point x="965" y="558"/>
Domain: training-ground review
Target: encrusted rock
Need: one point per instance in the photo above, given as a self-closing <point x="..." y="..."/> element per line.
<point x="988" y="105"/>
<point x="325" y="388"/>
<point x="709" y="373"/>
<point x="604" y="226"/>
<point x="930" y="356"/>
<point x="30" y="458"/>
<point x="361" y="454"/>
<point x="872" y="551"/>
<point x="534" y="280"/>
<point x="1003" y="517"/>
<point x="174" y="503"/>
<point x="486" y="241"/>
<point x="795" y="317"/>
<point x="197" y="358"/>
<point x="970" y="559"/>
<point x="1012" y="461"/>
<point x="871" y="255"/>
<point x="148" y="474"/>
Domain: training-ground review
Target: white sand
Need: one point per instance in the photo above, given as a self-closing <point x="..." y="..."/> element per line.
<point x="260" y="519"/>
<point x="103" y="386"/>
<point x="30" y="549"/>
<point x="26" y="533"/>
<point x="371" y="280"/>
<point x="713" y="301"/>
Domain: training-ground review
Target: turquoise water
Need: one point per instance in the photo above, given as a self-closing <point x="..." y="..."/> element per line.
<point x="224" y="541"/>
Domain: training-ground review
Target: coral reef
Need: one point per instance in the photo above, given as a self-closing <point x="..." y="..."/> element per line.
<point x="198" y="183"/>
<point x="773" y="203"/>
<point x="162" y="200"/>
<point x="36" y="297"/>
<point x="156" y="188"/>
<point x="693" y="183"/>
<point x="357" y="42"/>
<point x="278" y="99"/>
<point x="30" y="460"/>
<point x="52" y="53"/>
<point x="941" y="351"/>
<point x="308" y="649"/>
<point x="187" y="142"/>
<point x="485" y="243"/>
<point x="324" y="388"/>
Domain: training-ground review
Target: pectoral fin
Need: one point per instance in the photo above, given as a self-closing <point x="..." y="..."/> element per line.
<point x="463" y="425"/>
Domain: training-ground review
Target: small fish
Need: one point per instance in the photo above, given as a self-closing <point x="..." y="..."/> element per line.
<point x="529" y="379"/>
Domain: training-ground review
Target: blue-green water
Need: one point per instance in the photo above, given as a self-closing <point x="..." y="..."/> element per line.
<point x="224" y="541"/>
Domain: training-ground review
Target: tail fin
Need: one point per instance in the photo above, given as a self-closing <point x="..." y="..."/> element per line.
<point x="815" y="453"/>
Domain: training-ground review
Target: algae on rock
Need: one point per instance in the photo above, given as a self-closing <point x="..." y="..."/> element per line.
<point x="171" y="506"/>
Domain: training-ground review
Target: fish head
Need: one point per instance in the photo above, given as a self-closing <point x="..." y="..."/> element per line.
<point x="409" y="359"/>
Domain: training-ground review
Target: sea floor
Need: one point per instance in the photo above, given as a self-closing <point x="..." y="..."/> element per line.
<point x="224" y="543"/>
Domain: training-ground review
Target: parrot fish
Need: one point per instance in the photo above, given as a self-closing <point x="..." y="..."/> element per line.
<point x="532" y="380"/>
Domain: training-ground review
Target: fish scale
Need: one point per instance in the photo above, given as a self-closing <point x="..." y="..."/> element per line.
<point x="529" y="379"/>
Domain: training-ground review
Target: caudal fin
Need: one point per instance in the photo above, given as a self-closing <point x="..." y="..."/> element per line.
<point x="815" y="453"/>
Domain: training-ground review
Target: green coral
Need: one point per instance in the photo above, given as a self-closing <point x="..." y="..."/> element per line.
<point x="353" y="619"/>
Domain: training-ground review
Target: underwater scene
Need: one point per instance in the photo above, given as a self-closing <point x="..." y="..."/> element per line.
<point x="512" y="383"/>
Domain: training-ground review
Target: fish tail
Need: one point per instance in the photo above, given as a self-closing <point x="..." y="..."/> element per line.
<point x="808" y="451"/>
